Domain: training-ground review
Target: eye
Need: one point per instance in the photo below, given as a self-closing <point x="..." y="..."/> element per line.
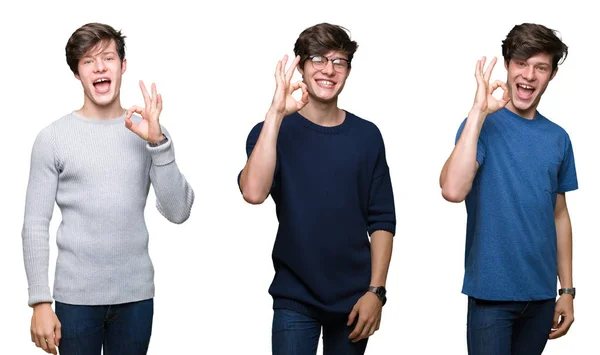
<point x="88" y="61"/>
<point x="542" y="69"/>
<point x="110" y="58"/>
<point x="521" y="64"/>
<point x="317" y="59"/>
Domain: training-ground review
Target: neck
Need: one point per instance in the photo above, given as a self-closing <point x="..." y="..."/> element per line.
<point x="101" y="112"/>
<point x="323" y="113"/>
<point x="528" y="114"/>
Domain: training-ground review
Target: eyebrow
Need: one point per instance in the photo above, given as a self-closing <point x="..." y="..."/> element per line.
<point x="104" y="53"/>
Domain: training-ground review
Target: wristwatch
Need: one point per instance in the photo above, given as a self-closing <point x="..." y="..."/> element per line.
<point x="163" y="141"/>
<point x="380" y="292"/>
<point x="568" y="291"/>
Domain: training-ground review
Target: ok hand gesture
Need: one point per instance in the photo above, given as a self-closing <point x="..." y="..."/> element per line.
<point x="484" y="101"/>
<point x="283" y="102"/>
<point x="149" y="127"/>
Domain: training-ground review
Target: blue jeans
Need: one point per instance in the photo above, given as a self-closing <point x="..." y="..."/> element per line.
<point x="120" y="329"/>
<point x="297" y="334"/>
<point x="508" y="328"/>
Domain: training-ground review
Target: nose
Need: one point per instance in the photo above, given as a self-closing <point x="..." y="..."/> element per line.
<point x="99" y="66"/>
<point x="529" y="73"/>
<point x="328" y="70"/>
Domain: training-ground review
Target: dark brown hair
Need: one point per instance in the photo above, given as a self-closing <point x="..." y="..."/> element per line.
<point x="322" y="38"/>
<point x="89" y="36"/>
<point x="528" y="39"/>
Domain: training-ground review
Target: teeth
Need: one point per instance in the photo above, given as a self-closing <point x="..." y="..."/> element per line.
<point x="326" y="82"/>
<point x="100" y="81"/>
<point x="526" y="87"/>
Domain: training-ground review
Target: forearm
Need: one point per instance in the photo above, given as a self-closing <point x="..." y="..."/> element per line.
<point x="459" y="170"/>
<point x="257" y="176"/>
<point x="381" y="254"/>
<point x="174" y="195"/>
<point x="564" y="240"/>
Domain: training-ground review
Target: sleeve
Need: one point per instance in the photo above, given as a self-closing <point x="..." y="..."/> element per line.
<point x="381" y="212"/>
<point x="250" y="143"/>
<point x="567" y="174"/>
<point x="39" y="207"/>
<point x="480" y="146"/>
<point x="174" y="195"/>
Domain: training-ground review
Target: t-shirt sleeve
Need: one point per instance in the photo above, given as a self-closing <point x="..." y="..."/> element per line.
<point x="480" y="146"/>
<point x="567" y="175"/>
<point x="250" y="143"/>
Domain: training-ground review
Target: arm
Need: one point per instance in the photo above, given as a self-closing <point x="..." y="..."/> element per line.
<point x="39" y="206"/>
<point x="382" y="228"/>
<point x="174" y="195"/>
<point x="456" y="177"/>
<point x="563" y="313"/>
<point x="256" y="179"/>
<point x="381" y="254"/>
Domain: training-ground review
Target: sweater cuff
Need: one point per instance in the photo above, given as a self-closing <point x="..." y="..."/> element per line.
<point x="39" y="294"/>
<point x="383" y="226"/>
<point x="163" y="154"/>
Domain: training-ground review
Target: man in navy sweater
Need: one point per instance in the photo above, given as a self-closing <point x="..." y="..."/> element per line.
<point x="326" y="171"/>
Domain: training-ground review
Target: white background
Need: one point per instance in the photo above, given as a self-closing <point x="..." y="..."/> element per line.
<point x="213" y="62"/>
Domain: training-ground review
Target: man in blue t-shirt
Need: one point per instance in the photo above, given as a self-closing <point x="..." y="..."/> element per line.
<point x="326" y="170"/>
<point x="512" y="167"/>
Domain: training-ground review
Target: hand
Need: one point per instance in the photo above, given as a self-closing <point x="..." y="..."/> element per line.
<point x="563" y="317"/>
<point x="149" y="128"/>
<point x="283" y="102"/>
<point x="45" y="328"/>
<point x="368" y="309"/>
<point x="484" y="101"/>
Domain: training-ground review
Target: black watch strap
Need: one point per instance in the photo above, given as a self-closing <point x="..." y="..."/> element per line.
<point x="568" y="291"/>
<point x="380" y="292"/>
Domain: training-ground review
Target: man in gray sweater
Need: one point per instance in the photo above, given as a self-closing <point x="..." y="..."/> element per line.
<point x="97" y="163"/>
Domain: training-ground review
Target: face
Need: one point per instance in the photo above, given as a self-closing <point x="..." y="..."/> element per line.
<point x="325" y="75"/>
<point x="527" y="81"/>
<point x="100" y="72"/>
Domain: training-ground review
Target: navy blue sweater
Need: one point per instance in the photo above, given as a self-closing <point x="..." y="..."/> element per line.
<point x="332" y="189"/>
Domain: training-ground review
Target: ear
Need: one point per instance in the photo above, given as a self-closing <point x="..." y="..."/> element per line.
<point x="506" y="65"/>
<point x="77" y="77"/>
<point x="123" y="66"/>
<point x="554" y="73"/>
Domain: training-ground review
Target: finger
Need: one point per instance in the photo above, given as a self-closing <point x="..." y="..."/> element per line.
<point x="378" y="324"/>
<point x="36" y="340"/>
<point x="51" y="345"/>
<point x="147" y="100"/>
<point x="32" y="336"/>
<point x="488" y="72"/>
<point x="352" y="316"/>
<point x="57" y="334"/>
<point x="154" y="96"/>
<point x="358" y="329"/>
<point x="372" y="329"/>
<point x="283" y="64"/>
<point x="159" y="103"/>
<point x="555" y="319"/>
<point x="366" y="331"/>
<point x="132" y="110"/>
<point x="290" y="72"/>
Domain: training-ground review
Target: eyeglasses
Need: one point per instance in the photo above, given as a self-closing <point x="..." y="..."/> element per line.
<point x="319" y="62"/>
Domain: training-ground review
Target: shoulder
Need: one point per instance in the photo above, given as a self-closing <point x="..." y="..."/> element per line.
<point x="364" y="127"/>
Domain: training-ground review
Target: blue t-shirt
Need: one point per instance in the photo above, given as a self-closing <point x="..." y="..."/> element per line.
<point x="511" y="252"/>
<point x="332" y="189"/>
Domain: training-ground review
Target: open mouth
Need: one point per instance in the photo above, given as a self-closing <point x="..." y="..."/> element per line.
<point x="525" y="92"/>
<point x="328" y="84"/>
<point x="102" y="85"/>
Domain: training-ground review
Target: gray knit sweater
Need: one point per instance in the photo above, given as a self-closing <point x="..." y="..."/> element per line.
<point x="99" y="174"/>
